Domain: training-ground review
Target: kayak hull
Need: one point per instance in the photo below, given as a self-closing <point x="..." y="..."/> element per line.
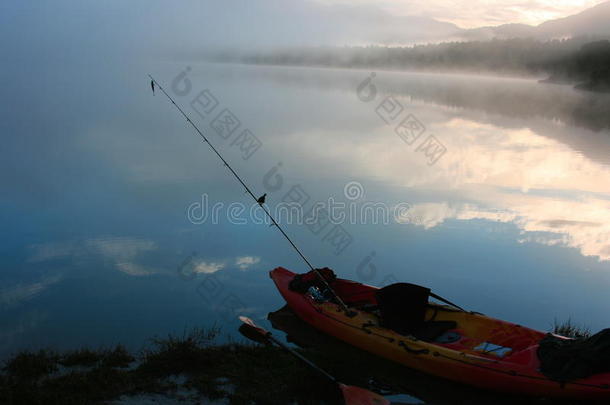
<point x="516" y="372"/>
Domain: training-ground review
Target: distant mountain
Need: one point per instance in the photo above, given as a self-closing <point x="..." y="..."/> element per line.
<point x="593" y="22"/>
<point x="380" y="27"/>
<point x="367" y="24"/>
<point x="361" y="24"/>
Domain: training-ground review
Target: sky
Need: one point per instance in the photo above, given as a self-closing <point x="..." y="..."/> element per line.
<point x="70" y="29"/>
<point x="479" y="13"/>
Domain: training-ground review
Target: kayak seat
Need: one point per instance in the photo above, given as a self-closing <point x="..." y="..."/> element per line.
<point x="402" y="308"/>
<point x="365" y="306"/>
<point x="431" y="330"/>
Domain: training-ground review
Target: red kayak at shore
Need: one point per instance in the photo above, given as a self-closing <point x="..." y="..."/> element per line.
<point x="399" y="323"/>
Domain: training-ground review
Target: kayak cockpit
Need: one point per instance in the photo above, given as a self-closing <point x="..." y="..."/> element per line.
<point x="405" y="309"/>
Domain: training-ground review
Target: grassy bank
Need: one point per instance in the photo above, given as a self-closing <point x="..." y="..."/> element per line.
<point x="190" y="367"/>
<point x="195" y="369"/>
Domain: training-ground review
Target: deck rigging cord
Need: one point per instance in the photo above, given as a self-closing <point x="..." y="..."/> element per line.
<point x="260" y="200"/>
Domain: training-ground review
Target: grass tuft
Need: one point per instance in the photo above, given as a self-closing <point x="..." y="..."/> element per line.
<point x="81" y="357"/>
<point x="568" y="329"/>
<point x="30" y="366"/>
<point x="175" y="355"/>
<point x="116" y="357"/>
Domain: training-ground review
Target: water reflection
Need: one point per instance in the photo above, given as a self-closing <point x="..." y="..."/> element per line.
<point x="98" y="248"/>
<point x="120" y="252"/>
<point x="402" y="385"/>
<point x="502" y="175"/>
<point x="556" y="111"/>
<point x="509" y="97"/>
<point x="520" y="171"/>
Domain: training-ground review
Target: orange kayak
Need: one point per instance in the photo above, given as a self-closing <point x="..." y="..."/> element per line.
<point x="463" y="346"/>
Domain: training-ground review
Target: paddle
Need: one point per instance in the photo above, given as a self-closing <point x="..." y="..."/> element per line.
<point x="352" y="395"/>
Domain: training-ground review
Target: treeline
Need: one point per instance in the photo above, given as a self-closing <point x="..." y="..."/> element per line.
<point x="576" y="59"/>
<point x="589" y="67"/>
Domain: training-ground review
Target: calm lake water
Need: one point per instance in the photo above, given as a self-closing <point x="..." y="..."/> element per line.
<point x="118" y="223"/>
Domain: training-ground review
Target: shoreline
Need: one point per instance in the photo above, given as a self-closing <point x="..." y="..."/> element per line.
<point x="193" y="368"/>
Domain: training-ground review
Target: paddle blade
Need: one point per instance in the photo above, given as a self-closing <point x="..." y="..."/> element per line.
<point x="250" y="323"/>
<point x="254" y="334"/>
<point x="247" y="320"/>
<point x="360" y="396"/>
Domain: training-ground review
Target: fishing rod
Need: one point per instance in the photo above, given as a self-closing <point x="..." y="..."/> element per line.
<point x="260" y="200"/>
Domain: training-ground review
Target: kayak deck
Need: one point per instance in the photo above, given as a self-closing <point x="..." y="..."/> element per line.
<point x="474" y="334"/>
<point x="480" y="350"/>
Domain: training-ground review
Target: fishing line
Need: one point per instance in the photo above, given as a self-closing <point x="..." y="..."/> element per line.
<point x="249" y="191"/>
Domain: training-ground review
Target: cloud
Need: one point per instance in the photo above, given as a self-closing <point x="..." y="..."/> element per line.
<point x="134" y="269"/>
<point x="207" y="267"/>
<point x="479" y="12"/>
<point x="429" y="215"/>
<point x="22" y="292"/>
<point x="502" y="174"/>
<point x="121" y="247"/>
<point x="244" y="262"/>
<point x="124" y="252"/>
<point x="583" y="224"/>
<point x="121" y="251"/>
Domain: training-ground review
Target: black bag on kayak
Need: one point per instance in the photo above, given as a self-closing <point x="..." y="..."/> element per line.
<point x="403" y="309"/>
<point x="301" y="282"/>
<point x="570" y="359"/>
